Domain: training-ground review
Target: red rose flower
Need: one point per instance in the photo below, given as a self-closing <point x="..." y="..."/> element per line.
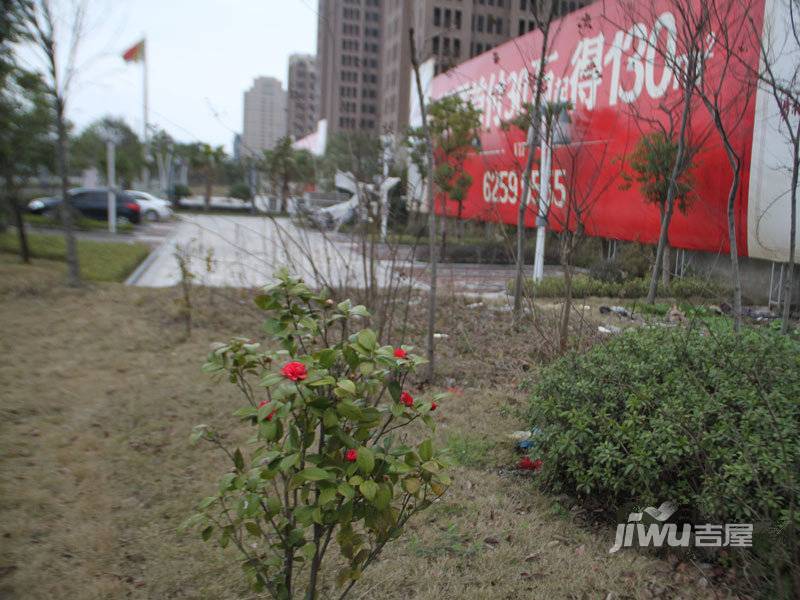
<point x="407" y="399"/>
<point x="296" y="371"/>
<point x="263" y="403"/>
<point x="399" y="353"/>
<point x="351" y="455"/>
<point x="433" y="406"/>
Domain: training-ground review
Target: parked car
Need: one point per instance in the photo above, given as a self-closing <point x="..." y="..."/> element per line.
<point x="91" y="203"/>
<point x="153" y="209"/>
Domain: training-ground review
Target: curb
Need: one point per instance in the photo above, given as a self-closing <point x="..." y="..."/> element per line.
<point x="137" y="274"/>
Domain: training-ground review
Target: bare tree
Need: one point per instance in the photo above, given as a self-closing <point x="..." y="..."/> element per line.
<point x="432" y="249"/>
<point x="543" y="14"/>
<point x="681" y="57"/>
<point x="725" y="28"/>
<point x="56" y="35"/>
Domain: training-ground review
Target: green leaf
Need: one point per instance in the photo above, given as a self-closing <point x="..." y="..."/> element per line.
<point x="383" y="497"/>
<point x="349" y="410"/>
<point x="271" y="379"/>
<point x="360" y="311"/>
<point x="327" y="380"/>
<point x="308" y="550"/>
<point x="395" y="389"/>
<point x="238" y="460"/>
<point x="368" y="489"/>
<point x="314" y="474"/>
<point x="426" y="450"/>
<point x="274" y="505"/>
<point x="226" y="481"/>
<point x="365" y="460"/>
<point x="347" y="386"/>
<point x="252" y="528"/>
<point x="326" y="357"/>
<point x="431" y="466"/>
<point x="412" y="484"/>
<point x="367" y="339"/>
<point x="329" y="418"/>
<point x="288" y="462"/>
<point x="326" y="495"/>
<point x="206" y="534"/>
<point x="346" y="490"/>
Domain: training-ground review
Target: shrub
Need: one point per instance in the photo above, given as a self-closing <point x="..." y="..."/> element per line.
<point x="707" y="420"/>
<point x="241" y="191"/>
<point x="584" y="286"/>
<point x="324" y="463"/>
<point x="607" y="271"/>
<point x="180" y="191"/>
<point x="635" y="260"/>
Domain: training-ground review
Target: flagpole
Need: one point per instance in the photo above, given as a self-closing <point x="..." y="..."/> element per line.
<point x="145" y="170"/>
<point x="144" y="87"/>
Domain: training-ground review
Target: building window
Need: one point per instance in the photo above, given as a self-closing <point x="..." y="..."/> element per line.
<point x="458" y="19"/>
<point x="448" y="16"/>
<point x="480" y="23"/>
<point x="436" y="44"/>
<point x="456" y="47"/>
<point x="437" y="17"/>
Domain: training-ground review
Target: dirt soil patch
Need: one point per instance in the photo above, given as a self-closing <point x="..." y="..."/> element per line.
<point x="100" y="391"/>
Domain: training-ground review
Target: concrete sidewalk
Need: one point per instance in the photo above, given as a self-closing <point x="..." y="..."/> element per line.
<point x="246" y="251"/>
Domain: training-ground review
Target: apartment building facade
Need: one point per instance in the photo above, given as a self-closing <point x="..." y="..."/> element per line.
<point x="302" y="102"/>
<point x="264" y="116"/>
<point x="349" y="63"/>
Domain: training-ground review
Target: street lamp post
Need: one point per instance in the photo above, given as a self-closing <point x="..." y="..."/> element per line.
<point x="554" y="119"/>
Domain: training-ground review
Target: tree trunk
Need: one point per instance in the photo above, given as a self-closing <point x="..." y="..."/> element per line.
<point x="73" y="267"/>
<point x="526" y="187"/>
<point x="209" y="187"/>
<point x="788" y="289"/>
<point x="22" y="235"/>
<point x="285" y="197"/>
<point x="533" y="136"/>
<point x="563" y="329"/>
<point x="737" y="281"/>
<point x="677" y="169"/>
<point x="443" y="228"/>
<point x="666" y="267"/>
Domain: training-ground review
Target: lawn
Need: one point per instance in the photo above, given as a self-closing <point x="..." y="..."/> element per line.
<point x="101" y="390"/>
<point x="99" y="261"/>
<point x="81" y="223"/>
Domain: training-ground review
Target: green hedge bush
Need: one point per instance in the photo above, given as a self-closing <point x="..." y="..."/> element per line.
<point x="710" y="421"/>
<point x="584" y="286"/>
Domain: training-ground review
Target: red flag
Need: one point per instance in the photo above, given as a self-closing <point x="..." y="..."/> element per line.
<point x="135" y="53"/>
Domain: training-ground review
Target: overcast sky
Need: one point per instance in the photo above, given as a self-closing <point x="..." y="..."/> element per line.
<point x="202" y="56"/>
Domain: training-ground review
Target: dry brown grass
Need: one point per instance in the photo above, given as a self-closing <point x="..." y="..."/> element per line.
<point x="100" y="392"/>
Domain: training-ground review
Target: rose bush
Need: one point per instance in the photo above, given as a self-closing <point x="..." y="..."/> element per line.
<point x="324" y="463"/>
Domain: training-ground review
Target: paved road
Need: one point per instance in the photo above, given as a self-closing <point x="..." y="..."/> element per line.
<point x="245" y="251"/>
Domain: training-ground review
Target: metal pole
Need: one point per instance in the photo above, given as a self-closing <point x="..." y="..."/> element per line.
<point x="146" y="149"/>
<point x="112" y="196"/>
<point x="544" y="203"/>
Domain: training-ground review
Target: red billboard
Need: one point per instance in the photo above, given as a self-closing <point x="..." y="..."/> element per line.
<point x="608" y="61"/>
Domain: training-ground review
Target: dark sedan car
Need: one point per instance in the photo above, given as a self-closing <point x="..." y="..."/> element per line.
<point x="91" y="203"/>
